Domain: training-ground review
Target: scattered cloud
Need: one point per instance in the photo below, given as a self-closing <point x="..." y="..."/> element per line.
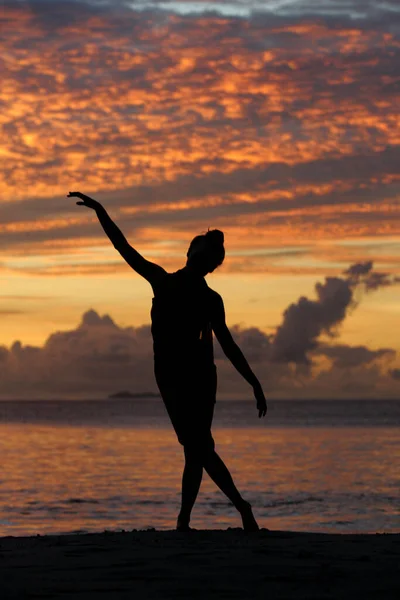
<point x="395" y="373"/>
<point x="284" y="122"/>
<point x="347" y="357"/>
<point x="306" y="320"/>
<point x="96" y="357"/>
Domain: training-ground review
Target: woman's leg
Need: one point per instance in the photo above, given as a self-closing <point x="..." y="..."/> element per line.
<point x="218" y="471"/>
<point x="191" y="480"/>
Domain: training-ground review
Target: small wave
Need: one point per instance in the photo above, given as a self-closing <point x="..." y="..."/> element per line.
<point x="81" y="501"/>
<point x="338" y="522"/>
<point x="293" y="502"/>
<point x="342" y="522"/>
<point x="76" y="532"/>
<point x="149" y="502"/>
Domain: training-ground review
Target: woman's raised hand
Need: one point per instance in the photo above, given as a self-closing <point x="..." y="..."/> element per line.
<point x="84" y="200"/>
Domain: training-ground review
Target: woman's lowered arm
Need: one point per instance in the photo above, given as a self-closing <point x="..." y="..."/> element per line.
<point x="150" y="271"/>
<point x="235" y="355"/>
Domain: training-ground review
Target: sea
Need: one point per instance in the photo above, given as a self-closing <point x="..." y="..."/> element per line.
<point x="112" y="465"/>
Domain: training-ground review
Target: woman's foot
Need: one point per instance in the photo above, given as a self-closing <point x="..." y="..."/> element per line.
<point x="182" y="524"/>
<point x="249" y="522"/>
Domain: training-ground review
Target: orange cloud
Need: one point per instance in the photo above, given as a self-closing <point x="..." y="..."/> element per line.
<point x="137" y="101"/>
<point x="280" y="132"/>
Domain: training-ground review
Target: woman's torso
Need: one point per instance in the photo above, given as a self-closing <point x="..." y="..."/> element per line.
<point x="181" y="324"/>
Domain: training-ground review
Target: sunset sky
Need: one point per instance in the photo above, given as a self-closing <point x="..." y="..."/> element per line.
<point x="275" y="121"/>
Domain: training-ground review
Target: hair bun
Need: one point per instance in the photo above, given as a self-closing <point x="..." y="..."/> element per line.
<point x="215" y="236"/>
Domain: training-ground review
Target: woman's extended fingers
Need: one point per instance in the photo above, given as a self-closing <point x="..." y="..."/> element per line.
<point x="262" y="410"/>
<point x="84" y="200"/>
<point x="78" y="195"/>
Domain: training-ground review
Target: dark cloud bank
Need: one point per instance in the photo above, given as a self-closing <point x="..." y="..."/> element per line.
<point x="99" y="357"/>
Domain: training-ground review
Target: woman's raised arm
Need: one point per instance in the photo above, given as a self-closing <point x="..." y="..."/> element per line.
<point x="150" y="271"/>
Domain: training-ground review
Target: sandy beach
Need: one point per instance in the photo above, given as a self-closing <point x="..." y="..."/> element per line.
<point x="202" y="564"/>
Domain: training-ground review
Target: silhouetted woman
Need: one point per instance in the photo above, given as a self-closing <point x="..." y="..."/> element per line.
<point x="184" y="314"/>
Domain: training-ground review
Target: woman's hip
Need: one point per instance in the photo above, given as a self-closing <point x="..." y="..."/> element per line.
<point x="187" y="384"/>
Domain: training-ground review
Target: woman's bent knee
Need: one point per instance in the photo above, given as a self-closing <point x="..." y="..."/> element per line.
<point x="198" y="451"/>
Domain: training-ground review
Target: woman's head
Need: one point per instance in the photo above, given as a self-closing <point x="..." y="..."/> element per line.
<point x="206" y="252"/>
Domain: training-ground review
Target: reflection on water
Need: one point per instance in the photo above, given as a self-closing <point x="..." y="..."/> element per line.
<point x="59" y="479"/>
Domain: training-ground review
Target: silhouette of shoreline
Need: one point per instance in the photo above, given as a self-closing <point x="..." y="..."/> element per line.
<point x="151" y="564"/>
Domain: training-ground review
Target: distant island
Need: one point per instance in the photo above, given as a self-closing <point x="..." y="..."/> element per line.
<point x="127" y="394"/>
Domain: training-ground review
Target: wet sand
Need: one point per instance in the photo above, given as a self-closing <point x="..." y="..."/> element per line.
<point x="201" y="564"/>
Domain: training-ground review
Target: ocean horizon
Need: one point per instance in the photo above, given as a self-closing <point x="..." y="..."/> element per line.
<point x="150" y="412"/>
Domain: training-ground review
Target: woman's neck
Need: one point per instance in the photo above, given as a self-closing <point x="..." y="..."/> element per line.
<point x="192" y="271"/>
